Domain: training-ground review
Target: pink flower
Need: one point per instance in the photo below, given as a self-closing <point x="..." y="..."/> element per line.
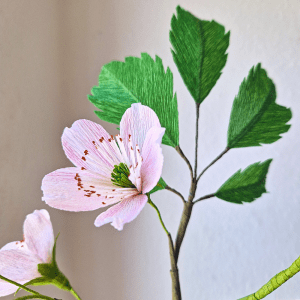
<point x="109" y="169"/>
<point x="19" y="260"/>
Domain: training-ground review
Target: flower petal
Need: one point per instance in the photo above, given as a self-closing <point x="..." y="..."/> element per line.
<point x="17" y="265"/>
<point x="87" y="145"/>
<point x="38" y="234"/>
<point x="123" y="212"/>
<point x="75" y="190"/>
<point x="152" y="164"/>
<point x="137" y="121"/>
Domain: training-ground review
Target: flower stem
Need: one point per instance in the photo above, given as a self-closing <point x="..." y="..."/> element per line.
<point x="75" y="294"/>
<point x="159" y="215"/>
<point x="20" y="285"/>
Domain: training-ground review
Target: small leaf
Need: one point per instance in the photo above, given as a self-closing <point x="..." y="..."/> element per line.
<point x="199" y="52"/>
<point x="245" y="186"/>
<point x="137" y="80"/>
<point x="255" y="117"/>
<point x="160" y="186"/>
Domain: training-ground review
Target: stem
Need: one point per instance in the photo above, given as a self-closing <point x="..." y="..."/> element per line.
<point x="185" y="218"/>
<point x="178" y="149"/>
<point x="20" y="285"/>
<point x="75" y="294"/>
<point x="275" y="281"/>
<point x="204" y="197"/>
<point x="175" y="192"/>
<point x="159" y="215"/>
<point x="216" y="159"/>
<point x="196" y="138"/>
<point x="35" y="297"/>
<point x="176" y="293"/>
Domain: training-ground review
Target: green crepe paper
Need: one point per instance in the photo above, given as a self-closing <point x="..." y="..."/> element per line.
<point x="275" y="282"/>
<point x="137" y="80"/>
<point x="255" y="117"/>
<point x="160" y="186"/>
<point x="50" y="274"/>
<point x="245" y="186"/>
<point x="198" y="51"/>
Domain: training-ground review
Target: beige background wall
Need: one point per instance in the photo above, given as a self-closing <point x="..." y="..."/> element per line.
<point x="51" y="53"/>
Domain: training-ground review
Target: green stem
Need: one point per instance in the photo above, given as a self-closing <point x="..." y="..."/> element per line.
<point x="75" y="294"/>
<point x="159" y="215"/>
<point x="35" y="297"/>
<point x="275" y="282"/>
<point x="20" y="285"/>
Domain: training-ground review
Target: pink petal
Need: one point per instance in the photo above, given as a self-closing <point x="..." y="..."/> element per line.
<point x="123" y="212"/>
<point x="19" y="266"/>
<point x="137" y="121"/>
<point x="83" y="147"/>
<point x="62" y="190"/>
<point x="151" y="168"/>
<point x="38" y="234"/>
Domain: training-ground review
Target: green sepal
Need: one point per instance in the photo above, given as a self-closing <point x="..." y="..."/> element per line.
<point x="198" y="51"/>
<point x="245" y="186"/>
<point x="255" y="117"/>
<point x="50" y="274"/>
<point x="137" y="80"/>
<point x="159" y="186"/>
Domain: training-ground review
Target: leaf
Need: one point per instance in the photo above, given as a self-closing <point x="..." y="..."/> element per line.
<point x="137" y="80"/>
<point x="245" y="186"/>
<point x="160" y="186"/>
<point x="255" y="117"/>
<point x="199" y="52"/>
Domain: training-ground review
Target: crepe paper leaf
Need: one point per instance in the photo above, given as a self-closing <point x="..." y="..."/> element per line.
<point x="198" y="51"/>
<point x="160" y="186"/>
<point x="255" y="117"/>
<point x="245" y="186"/>
<point x="141" y="80"/>
<point x="275" y="282"/>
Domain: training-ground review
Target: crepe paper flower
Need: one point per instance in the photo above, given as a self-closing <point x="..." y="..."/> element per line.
<point x="19" y="260"/>
<point x="109" y="170"/>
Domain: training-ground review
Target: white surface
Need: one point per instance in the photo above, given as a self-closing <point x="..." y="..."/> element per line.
<point x="50" y="56"/>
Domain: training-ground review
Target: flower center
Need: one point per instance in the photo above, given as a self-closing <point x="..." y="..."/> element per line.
<point x="119" y="176"/>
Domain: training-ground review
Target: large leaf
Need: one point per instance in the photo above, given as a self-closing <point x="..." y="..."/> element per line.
<point x="245" y="186"/>
<point x="199" y="52"/>
<point x="137" y="80"/>
<point x="255" y="117"/>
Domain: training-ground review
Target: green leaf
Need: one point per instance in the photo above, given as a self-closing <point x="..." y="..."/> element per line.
<point x="255" y="117"/>
<point x="160" y="186"/>
<point x="245" y="186"/>
<point x="199" y="51"/>
<point x="137" y="80"/>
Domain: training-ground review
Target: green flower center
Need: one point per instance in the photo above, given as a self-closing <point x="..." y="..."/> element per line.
<point x="119" y="176"/>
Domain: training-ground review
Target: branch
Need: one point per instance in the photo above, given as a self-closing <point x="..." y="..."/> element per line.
<point x="175" y="192"/>
<point x="216" y="159"/>
<point x="204" y="197"/>
<point x="176" y="293"/>
<point x="178" y="149"/>
<point x="185" y="218"/>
